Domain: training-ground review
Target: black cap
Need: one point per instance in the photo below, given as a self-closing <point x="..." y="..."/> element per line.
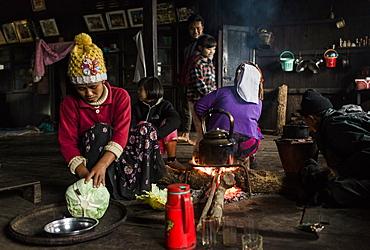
<point x="313" y="102"/>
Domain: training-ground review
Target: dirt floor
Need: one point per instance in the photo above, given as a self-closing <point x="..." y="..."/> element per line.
<point x="36" y="157"/>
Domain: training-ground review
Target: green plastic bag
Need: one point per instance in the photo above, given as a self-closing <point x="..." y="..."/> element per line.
<point x="85" y="201"/>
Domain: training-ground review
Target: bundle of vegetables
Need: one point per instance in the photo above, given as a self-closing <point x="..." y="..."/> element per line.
<point x="156" y="198"/>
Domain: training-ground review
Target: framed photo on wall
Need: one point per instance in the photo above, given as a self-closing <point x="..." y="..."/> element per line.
<point x="95" y="22"/>
<point x="136" y="17"/>
<point x="10" y="33"/>
<point x="49" y="27"/>
<point x="38" y="5"/>
<point x="2" y="38"/>
<point x="116" y="20"/>
<point x="23" y="32"/>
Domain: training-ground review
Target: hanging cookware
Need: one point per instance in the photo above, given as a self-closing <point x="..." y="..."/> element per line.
<point x="314" y="66"/>
<point x="287" y="63"/>
<point x="301" y="64"/>
<point x="264" y="37"/>
<point x="217" y="146"/>
<point x="345" y="60"/>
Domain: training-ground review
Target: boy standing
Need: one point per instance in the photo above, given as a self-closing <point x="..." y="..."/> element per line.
<point x="202" y="80"/>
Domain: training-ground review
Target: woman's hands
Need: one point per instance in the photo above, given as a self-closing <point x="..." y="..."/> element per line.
<point x="97" y="173"/>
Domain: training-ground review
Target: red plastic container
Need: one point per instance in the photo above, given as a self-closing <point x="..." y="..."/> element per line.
<point x="331" y="56"/>
<point x="180" y="225"/>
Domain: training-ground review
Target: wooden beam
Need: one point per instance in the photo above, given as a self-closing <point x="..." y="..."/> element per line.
<point x="281" y="110"/>
<point x="150" y="37"/>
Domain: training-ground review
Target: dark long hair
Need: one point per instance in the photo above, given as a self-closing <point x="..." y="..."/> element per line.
<point x="152" y="86"/>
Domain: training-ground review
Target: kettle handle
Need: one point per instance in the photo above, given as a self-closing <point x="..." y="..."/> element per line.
<point x="210" y="111"/>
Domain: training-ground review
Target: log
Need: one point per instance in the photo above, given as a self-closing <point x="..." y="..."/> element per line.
<point x="209" y="201"/>
<point x="260" y="181"/>
<point x="227" y="181"/>
<point x="281" y="108"/>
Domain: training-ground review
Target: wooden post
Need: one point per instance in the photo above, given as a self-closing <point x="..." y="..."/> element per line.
<point x="150" y="37"/>
<point x="282" y="100"/>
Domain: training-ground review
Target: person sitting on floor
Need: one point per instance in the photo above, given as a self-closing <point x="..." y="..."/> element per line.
<point x="343" y="138"/>
<point x="152" y="108"/>
<point x="244" y="102"/>
<point x="94" y="129"/>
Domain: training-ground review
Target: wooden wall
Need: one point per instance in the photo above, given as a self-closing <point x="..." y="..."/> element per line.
<point x="297" y="26"/>
<point x="303" y="27"/>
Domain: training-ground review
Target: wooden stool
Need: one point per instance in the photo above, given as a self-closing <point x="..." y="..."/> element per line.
<point x="31" y="189"/>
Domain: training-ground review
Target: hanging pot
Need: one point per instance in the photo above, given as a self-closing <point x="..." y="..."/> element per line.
<point x="217" y="146"/>
<point x="314" y="66"/>
<point x="345" y="61"/>
<point x="301" y="65"/>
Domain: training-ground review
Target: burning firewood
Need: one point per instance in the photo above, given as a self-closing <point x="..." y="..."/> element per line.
<point x="209" y="200"/>
<point x="227" y="181"/>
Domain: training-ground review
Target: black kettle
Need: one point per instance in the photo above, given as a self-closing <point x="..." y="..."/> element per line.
<point x="217" y="146"/>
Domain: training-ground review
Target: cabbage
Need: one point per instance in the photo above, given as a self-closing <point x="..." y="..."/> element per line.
<point x="83" y="200"/>
<point x="156" y="198"/>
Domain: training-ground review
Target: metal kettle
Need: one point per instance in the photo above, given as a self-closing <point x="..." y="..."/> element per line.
<point x="217" y="146"/>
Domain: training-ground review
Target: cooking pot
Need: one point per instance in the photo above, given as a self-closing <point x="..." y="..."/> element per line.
<point x="314" y="66"/>
<point x="345" y="60"/>
<point x="217" y="146"/>
<point x="296" y="131"/>
<point x="301" y="65"/>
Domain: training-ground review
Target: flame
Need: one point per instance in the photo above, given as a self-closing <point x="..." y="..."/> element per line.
<point x="231" y="192"/>
<point x="207" y="170"/>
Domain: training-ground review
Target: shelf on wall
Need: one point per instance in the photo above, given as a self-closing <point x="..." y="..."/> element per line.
<point x="352" y="50"/>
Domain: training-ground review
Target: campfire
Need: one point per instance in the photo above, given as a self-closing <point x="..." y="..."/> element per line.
<point x="224" y="187"/>
<point x="217" y="177"/>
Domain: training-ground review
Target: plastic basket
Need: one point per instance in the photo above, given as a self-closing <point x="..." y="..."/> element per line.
<point x="331" y="56"/>
<point x="287" y="63"/>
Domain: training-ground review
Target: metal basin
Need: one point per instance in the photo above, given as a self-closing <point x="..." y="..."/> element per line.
<point x="71" y="226"/>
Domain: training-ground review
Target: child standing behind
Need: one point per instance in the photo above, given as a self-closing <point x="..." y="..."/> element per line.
<point x="152" y="108"/>
<point x="202" y="80"/>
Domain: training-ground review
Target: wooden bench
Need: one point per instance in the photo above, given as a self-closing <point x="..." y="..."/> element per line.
<point x="30" y="188"/>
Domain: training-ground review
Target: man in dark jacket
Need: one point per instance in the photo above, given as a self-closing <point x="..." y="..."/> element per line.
<point x="343" y="138"/>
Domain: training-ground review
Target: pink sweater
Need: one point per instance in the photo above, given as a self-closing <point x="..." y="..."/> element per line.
<point x="76" y="117"/>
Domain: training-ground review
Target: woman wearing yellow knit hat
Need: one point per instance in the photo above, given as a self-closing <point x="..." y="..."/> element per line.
<point x="94" y="126"/>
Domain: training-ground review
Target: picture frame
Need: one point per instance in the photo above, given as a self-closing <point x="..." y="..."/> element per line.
<point x="49" y="27"/>
<point x="10" y="33"/>
<point x="165" y="13"/>
<point x="183" y="13"/>
<point x="2" y="38"/>
<point x="95" y="22"/>
<point x="23" y="31"/>
<point x="38" y="5"/>
<point x="116" y="20"/>
<point x="136" y="17"/>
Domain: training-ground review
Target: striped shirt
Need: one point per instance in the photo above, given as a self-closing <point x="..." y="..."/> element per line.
<point x="202" y="78"/>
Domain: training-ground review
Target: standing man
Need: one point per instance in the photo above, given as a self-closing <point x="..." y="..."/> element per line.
<point x="195" y="28"/>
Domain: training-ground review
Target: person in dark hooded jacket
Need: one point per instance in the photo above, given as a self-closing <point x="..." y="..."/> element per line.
<point x="152" y="108"/>
<point x="343" y="138"/>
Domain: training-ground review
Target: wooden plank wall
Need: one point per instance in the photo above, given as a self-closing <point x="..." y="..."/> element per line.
<point x="311" y="37"/>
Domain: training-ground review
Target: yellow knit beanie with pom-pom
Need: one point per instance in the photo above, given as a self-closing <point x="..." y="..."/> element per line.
<point x="86" y="62"/>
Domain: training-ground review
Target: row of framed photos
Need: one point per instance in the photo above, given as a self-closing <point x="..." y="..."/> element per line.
<point x="19" y="31"/>
<point x="118" y="20"/>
